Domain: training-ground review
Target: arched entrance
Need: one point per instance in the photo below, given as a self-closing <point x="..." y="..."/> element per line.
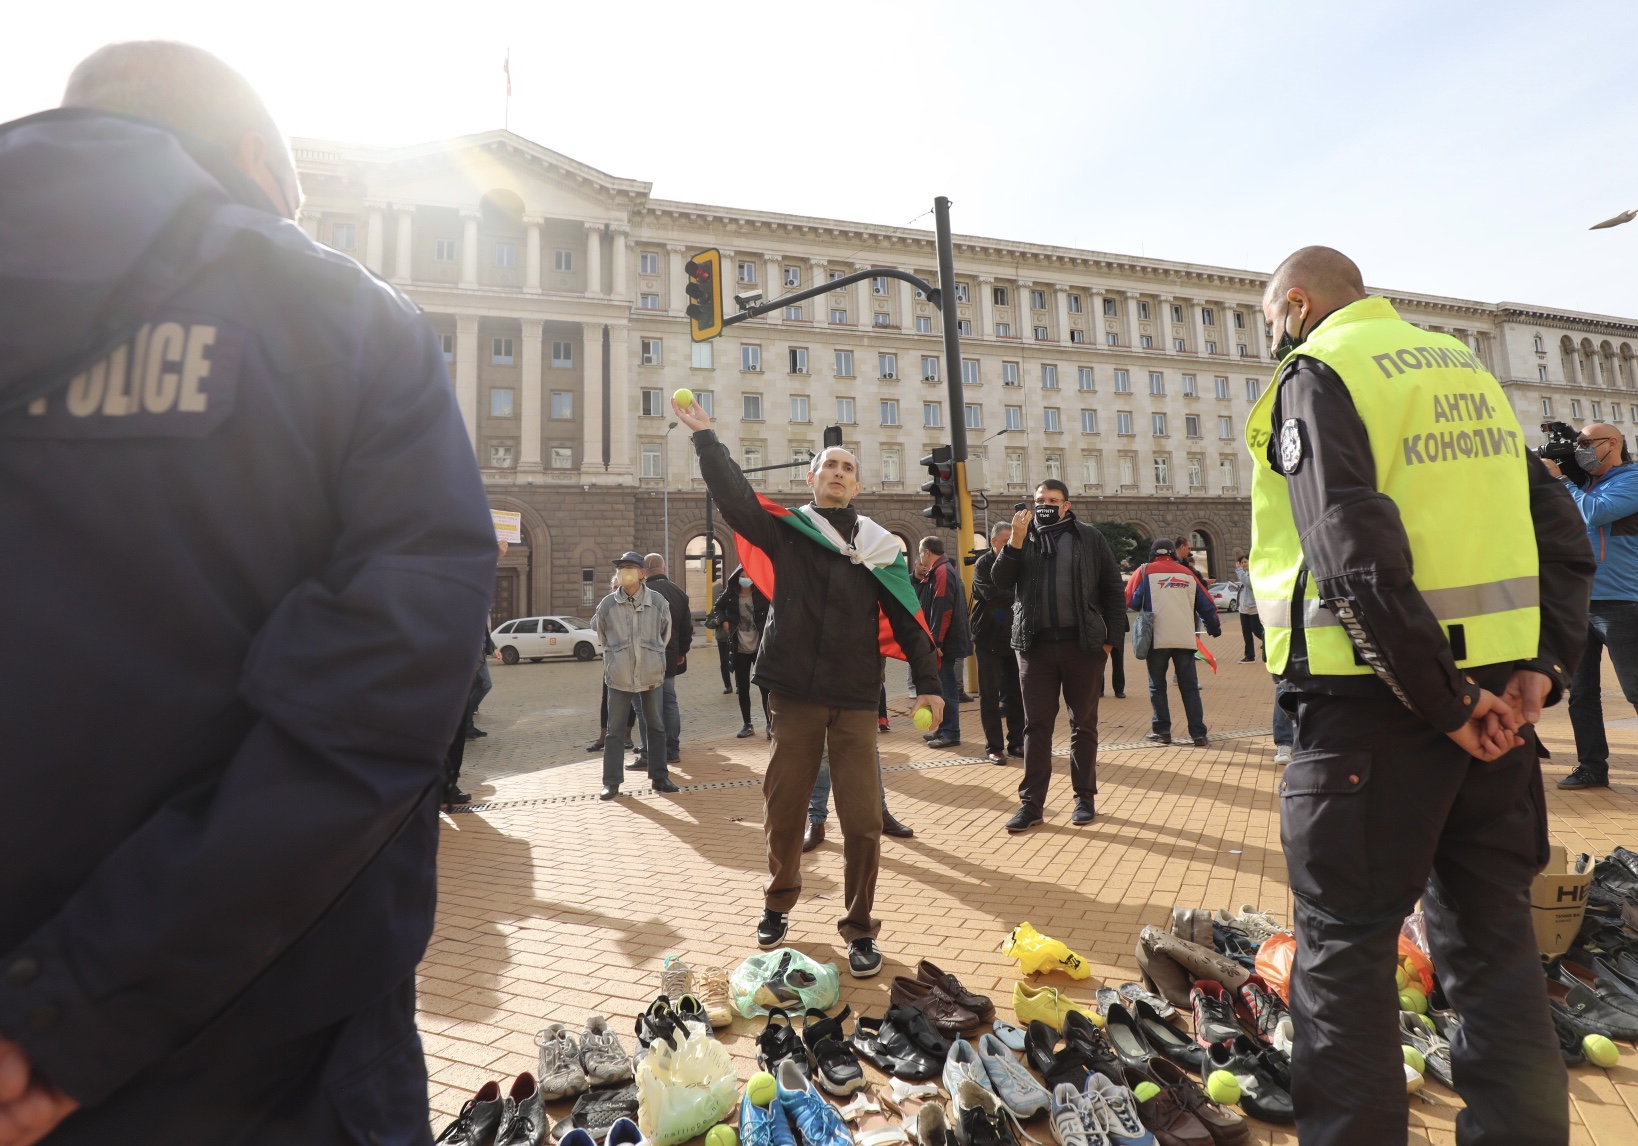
<point x="701" y="585"/>
<point x="523" y="576"/>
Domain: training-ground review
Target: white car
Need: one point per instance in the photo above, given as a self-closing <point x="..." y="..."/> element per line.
<point x="536" y="638"/>
<point x="1225" y="595"/>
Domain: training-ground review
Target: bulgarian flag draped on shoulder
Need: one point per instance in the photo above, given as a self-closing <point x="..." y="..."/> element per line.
<point x="871" y="546"/>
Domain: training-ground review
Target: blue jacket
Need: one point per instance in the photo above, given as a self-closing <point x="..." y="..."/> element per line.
<point x="1610" y="509"/>
<point x="246" y="548"/>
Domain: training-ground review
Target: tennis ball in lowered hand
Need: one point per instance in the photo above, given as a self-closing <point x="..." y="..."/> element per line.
<point x="1600" y="1051"/>
<point x="722" y="1134"/>
<point x="1144" y="1091"/>
<point x="923" y="718"/>
<point x="1414" y="1059"/>
<point x="1223" y="1087"/>
<point x="762" y="1088"/>
<point x="683" y="396"/>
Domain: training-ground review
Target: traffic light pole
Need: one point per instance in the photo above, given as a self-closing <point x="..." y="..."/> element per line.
<point x="958" y="410"/>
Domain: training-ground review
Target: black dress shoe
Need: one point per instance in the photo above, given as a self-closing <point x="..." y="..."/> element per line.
<point x="664" y="786"/>
<point x="864" y="958"/>
<point x="608" y="793"/>
<point x="996" y="757"/>
<point x="454" y="795"/>
<point x="965" y="699"/>
<point x="814" y="836"/>
<point x="477" y="1121"/>
<point x="770" y="930"/>
<point x="596" y="745"/>
<point x="1167" y="1038"/>
<point x="523" y="1115"/>
<point x="638" y="764"/>
<point x="727" y="691"/>
<point x="1056" y="1066"/>
<point x="1199" y="741"/>
<point x="1023" y="819"/>
<point x="1084" y="812"/>
<point x="1120" y="696"/>
<point x="891" y="827"/>
<point x="1590" y="1012"/>
<point x="1124" y="1034"/>
<point x="1016" y="753"/>
<point x="943" y="742"/>
<point x="673" y="759"/>
<point x="473" y="732"/>
<point x="929" y="736"/>
<point x="1584" y="777"/>
<point x="1091" y="1044"/>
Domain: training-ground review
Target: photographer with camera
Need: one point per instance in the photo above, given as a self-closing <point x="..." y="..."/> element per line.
<point x="1597" y="469"/>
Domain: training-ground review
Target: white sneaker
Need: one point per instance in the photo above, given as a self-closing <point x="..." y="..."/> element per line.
<point x="962" y="1065"/>
<point x="1282" y="754"/>
<point x="676" y="978"/>
<point x="1068" y="1128"/>
<point x="1116" y="1107"/>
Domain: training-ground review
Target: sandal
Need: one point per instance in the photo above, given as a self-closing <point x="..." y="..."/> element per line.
<point x="778" y="1043"/>
<point x="887" y="1047"/>
<point x="920" y="1031"/>
<point x="830" y="1052"/>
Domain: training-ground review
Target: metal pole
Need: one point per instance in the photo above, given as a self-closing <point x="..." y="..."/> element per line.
<point x="958" y="411"/>
<point x="708" y="567"/>
<point x="665" y="494"/>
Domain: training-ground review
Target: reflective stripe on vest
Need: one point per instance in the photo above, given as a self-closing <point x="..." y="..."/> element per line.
<point x="1445" y="443"/>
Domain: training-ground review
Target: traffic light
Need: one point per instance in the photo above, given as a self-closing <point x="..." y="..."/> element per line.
<point x="833" y="436"/>
<point x="941" y="465"/>
<point x="704" y="272"/>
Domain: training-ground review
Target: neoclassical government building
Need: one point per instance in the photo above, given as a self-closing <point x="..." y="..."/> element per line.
<point x="557" y="291"/>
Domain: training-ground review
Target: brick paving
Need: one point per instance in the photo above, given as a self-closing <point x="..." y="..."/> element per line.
<point x="555" y="906"/>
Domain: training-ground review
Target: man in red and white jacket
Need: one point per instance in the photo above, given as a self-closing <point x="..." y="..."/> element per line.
<point x="1174" y="597"/>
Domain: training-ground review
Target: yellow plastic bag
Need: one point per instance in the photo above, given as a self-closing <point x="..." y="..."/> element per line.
<point x="1038" y="954"/>
<point x="682" y="1093"/>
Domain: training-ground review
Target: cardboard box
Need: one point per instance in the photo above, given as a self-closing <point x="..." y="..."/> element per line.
<point x="1558" y="900"/>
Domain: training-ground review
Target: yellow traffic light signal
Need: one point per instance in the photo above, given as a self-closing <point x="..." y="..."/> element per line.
<point x="704" y="272"/>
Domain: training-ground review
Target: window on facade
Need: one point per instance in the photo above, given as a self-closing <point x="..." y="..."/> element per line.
<point x="1239" y="321"/>
<point x="1040" y="334"/>
<point x="1112" y="339"/>
<point x="887" y="365"/>
<point x="1575" y="408"/>
<point x="924" y="324"/>
<point x="1157" y="383"/>
<point x="1211" y="347"/>
<point x="832" y="276"/>
<point x="1180" y="345"/>
<point x="999" y="296"/>
<point x="343" y="236"/>
<point x="975" y="416"/>
<point x="1015" y="467"/>
<point x="1163" y="470"/>
<point x="700" y="357"/>
<point x="653" y="404"/>
<point x="500" y="403"/>
<point x="1146" y="342"/>
<point x="563" y="354"/>
<point x="751" y="407"/>
<point x="969" y="372"/>
<point x="1083" y="379"/>
<point x="837" y="317"/>
<point x="563" y="404"/>
<point x="1220" y="387"/>
<point x="1074" y="304"/>
<point x="1242" y="350"/>
<point x="648" y="263"/>
<point x="929" y="368"/>
<point x="1615" y="412"/>
<point x="932" y="415"/>
<point x="747" y="272"/>
<point x="1191" y="425"/>
<point x="881" y="318"/>
<point x="1197" y="471"/>
<point x="1541" y="347"/>
<point x="844" y="412"/>
<point x="1128" y="470"/>
<point x="648" y="302"/>
<point x="506" y="255"/>
<point x="588" y="586"/>
<point x="1055" y="467"/>
<point x="1123" y="382"/>
<point x="706" y="401"/>
<point x="1049" y="420"/>
<point x="1015" y="417"/>
<point x="878" y="285"/>
<point x="890" y="466"/>
<point x="446" y="343"/>
<point x="750" y="357"/>
<point x="844" y="364"/>
<point x="1143" y="309"/>
<point x="1077" y="336"/>
<point x="1541" y="372"/>
<point x="753" y="459"/>
<point x="1188" y="386"/>
<point x="964" y="327"/>
<point x="1225" y="426"/>
<point x="500" y="352"/>
<point x="799" y="408"/>
<point x="1003" y="330"/>
<point x="443" y="251"/>
<point x="1597" y="411"/>
<point x="793" y="314"/>
<point x="798" y="360"/>
<point x="1123" y="423"/>
<point x="1208" y="317"/>
<point x="563" y="260"/>
<point x="1177" y="312"/>
<point x="500" y="455"/>
<point x="1091" y="469"/>
<point x="652" y="462"/>
<point x="1037" y="300"/>
<point x="1254" y="389"/>
<point x="1225" y="472"/>
<point x="653" y="352"/>
<point x="890" y="411"/>
<point x="1009" y="373"/>
<point x="1089" y="421"/>
<point x="793" y="276"/>
<point x="1110" y="308"/>
<point x="1157" y="425"/>
<point x="1049" y="376"/>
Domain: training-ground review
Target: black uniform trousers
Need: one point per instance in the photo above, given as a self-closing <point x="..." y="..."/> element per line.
<point x="999" y="695"/>
<point x="1378" y="809"/>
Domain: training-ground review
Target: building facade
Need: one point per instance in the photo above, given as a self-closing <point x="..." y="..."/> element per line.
<point x="557" y="292"/>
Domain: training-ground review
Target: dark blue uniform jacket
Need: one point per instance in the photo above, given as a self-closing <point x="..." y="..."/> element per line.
<point x="244" y="547"/>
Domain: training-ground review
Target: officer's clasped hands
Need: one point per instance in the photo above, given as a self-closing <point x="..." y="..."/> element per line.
<point x="29" y="1108"/>
<point x="1492" y="730"/>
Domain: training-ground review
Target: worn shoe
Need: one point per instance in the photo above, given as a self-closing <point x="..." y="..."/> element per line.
<point x="1085" y="812"/>
<point x="691" y="1013"/>
<point x="864" y="958"/>
<point x="523" y="1115"/>
<point x="1589" y="1011"/>
<point x="1260" y="1010"/>
<point x="1126" y="1037"/>
<point x="453" y="795"/>
<point x="779" y="1043"/>
<point x="473" y="732"/>
<point x="948" y="1016"/>
<point x="923" y="1034"/>
<point x="609" y="793"/>
<point x="1257" y="926"/>
<point x="996" y="757"/>
<point x="478" y="1120"/>
<point x="561" y="1074"/>
<point x="1282" y="754"/>
<point x="978" y="1117"/>
<point x="814" y="835"/>
<point x="1200" y="742"/>
<point x="597" y="745"/>
<point x="1435" y="1051"/>
<point x="979" y="1005"/>
<point x="664" y="786"/>
<point x="882" y="725"/>
<point x="770" y="931"/>
<point x="1166" y="1038"/>
<point x="1165" y="1115"/>
<point x="1024" y="819"/>
<point x="676" y="977"/>
<point x="1261" y="1095"/>
<point x="1159" y="737"/>
<point x="835" y="1065"/>
<point x="943" y="742"/>
<point x="1584" y="777"/>
<point x="1214" y="1020"/>
<point x="1091" y="1044"/>
<point x="816" y="1120"/>
<point x="962" y="1065"/>
<point x="712" y="987"/>
<point x="1011" y="1082"/>
<point x="932" y="1126"/>
<point x="638" y="764"/>
<point x="1056" y="1066"/>
<point x="887" y="1046"/>
<point x="1048" y="1005"/>
<point x="1117" y="1109"/>
<point x="1198" y="959"/>
<point x="602" y="1056"/>
<point x="745" y="732"/>
<point x="1068" y="1123"/>
<point x="1224" y="1124"/>
<point x="659" y="1023"/>
<point x="892" y="827"/>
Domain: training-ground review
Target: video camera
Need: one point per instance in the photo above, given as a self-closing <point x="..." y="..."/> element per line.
<point x="972" y="555"/>
<point x="1560" y="449"/>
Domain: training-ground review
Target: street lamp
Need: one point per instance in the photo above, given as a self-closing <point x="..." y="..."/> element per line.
<point x="1623" y="217"/>
<point x="665" y="494"/>
<point x="997" y="434"/>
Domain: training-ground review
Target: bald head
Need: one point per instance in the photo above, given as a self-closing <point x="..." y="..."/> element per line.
<point x="1307" y="286"/>
<point x="189" y="89"/>
<point x="1608" y="445"/>
<point x="655" y="564"/>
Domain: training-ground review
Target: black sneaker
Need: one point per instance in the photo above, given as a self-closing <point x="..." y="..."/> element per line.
<point x="770" y="932"/>
<point x="832" y="1056"/>
<point x="1085" y="812"/>
<point x="1584" y="777"/>
<point x="478" y="1119"/>
<point x="1159" y="737"/>
<point x="1199" y="741"/>
<point x="864" y="959"/>
<point x="1023" y="819"/>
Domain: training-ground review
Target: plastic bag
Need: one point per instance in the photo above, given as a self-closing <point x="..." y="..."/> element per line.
<point x="1038" y="954"/>
<point x="1275" y="956"/>
<point x="1412" y="956"/>
<point x="786" y="979"/>
<point x="682" y="1093"/>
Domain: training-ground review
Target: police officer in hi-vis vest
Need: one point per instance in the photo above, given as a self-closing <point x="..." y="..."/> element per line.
<point x="1423" y="584"/>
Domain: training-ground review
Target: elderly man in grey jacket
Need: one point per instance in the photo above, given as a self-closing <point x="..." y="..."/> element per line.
<point x="1245" y="603"/>
<point x="635" y="624"/>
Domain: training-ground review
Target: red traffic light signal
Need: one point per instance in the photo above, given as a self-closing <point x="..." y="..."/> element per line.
<point x="704" y="290"/>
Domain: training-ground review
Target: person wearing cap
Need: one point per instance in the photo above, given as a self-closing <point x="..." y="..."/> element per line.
<point x="1172" y="595"/>
<point x="634" y="623"/>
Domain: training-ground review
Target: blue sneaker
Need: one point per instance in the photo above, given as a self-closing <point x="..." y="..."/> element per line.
<point x="1011" y="1083"/>
<point x="756" y="1123"/>
<point x="816" y="1120"/>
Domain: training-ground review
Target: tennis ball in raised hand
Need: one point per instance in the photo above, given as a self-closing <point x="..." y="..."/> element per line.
<point x="683" y="396"/>
<point x="762" y="1088"/>
<point x="1223" y="1087"/>
<point x="723" y="1135"/>
<point x="1414" y="1059"/>
<point x="1144" y="1091"/>
<point x="1600" y="1051"/>
<point x="923" y="718"/>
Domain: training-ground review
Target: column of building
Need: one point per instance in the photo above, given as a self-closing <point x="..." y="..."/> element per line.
<point x="404" y="254"/>
<point x="466" y="373"/>
<point x="469" y="248"/>
<point x="529" y="401"/>
<point x="773" y="286"/>
<point x="531" y="252"/>
<point x="591" y="401"/>
<point x="986" y="306"/>
<point x="676" y="287"/>
<point x="594" y="258"/>
<point x="617" y="257"/>
<point x="374" y="234"/>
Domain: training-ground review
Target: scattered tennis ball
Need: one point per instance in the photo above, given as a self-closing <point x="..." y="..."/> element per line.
<point x="1600" y="1051"/>
<point x="721" y="1135"/>
<point x="683" y="396"/>
<point x="1414" y="1059"/>
<point x="923" y="718"/>
<point x="1411" y="999"/>
<point x="762" y="1088"/>
<point x="1223" y="1087"/>
<point x="1147" y="1090"/>
<point x="1400" y="980"/>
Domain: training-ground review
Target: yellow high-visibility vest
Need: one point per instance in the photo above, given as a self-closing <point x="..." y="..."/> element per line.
<point x="1448" y="451"/>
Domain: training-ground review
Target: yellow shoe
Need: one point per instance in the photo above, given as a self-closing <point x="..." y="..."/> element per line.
<point x="1048" y="1005"/>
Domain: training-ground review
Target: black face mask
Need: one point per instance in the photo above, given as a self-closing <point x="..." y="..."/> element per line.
<point x="1046" y="515"/>
<point x="1288" y="342"/>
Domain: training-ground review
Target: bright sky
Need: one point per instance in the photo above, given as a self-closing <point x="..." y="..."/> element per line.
<point x="1451" y="148"/>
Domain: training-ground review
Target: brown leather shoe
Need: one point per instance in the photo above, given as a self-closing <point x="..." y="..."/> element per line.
<point x="891" y="827"/>
<point x="979" y="1005"/>
<point x="814" y="836"/>
<point x="1164" y="1114"/>
<point x="949" y="1017"/>
<point x="1223" y="1123"/>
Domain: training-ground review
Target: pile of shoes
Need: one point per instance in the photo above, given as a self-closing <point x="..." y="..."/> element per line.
<point x="487" y="1119"/>
<point x="1592" y="989"/>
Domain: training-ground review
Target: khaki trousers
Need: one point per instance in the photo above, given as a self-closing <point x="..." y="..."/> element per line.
<point x="801" y="733"/>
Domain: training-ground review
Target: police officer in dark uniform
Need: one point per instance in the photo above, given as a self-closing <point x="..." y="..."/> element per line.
<point x="233" y="475"/>
<point x="1423" y="583"/>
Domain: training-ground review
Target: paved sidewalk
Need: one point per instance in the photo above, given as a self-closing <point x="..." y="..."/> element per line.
<point x="555" y="906"/>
